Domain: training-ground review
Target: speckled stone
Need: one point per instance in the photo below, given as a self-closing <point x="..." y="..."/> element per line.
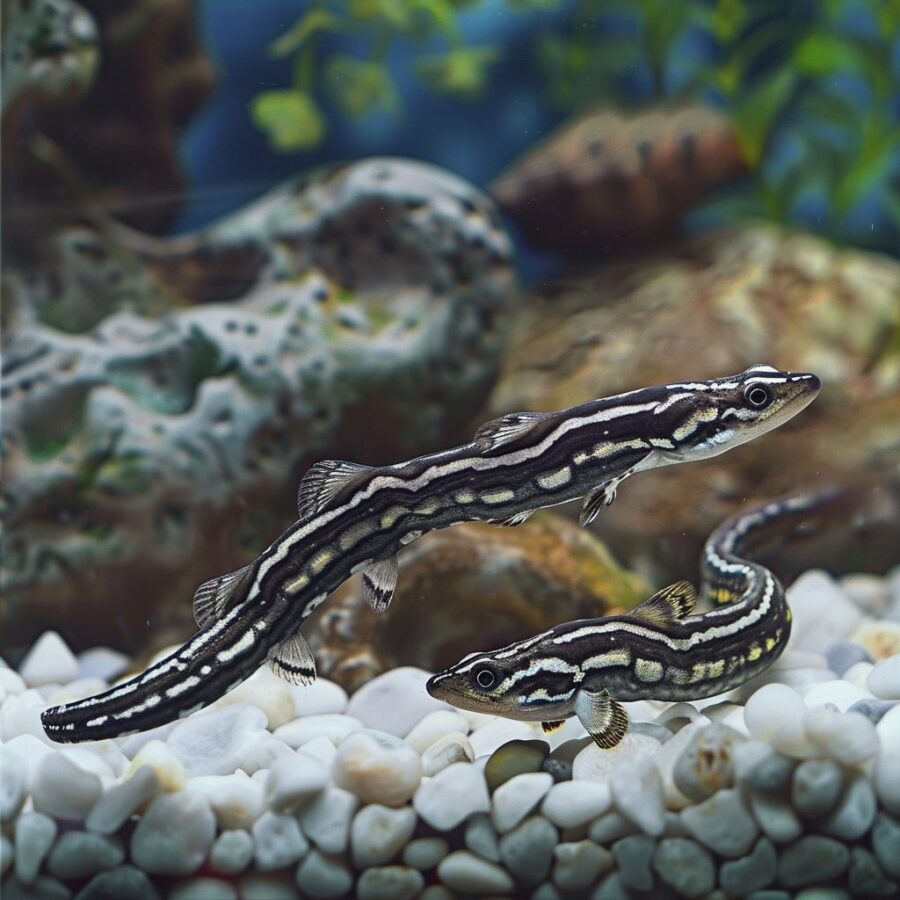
<point x="886" y="843"/>
<point x="633" y="856"/>
<point x="231" y="852"/>
<point x="685" y="866"/>
<point x="379" y="833"/>
<point x="844" y="654"/>
<point x="873" y="709"/>
<point x="389" y="883"/>
<point x="705" y="765"/>
<point x="514" y="758"/>
<point x="481" y="837"/>
<point x="816" y="786"/>
<point x="323" y="876"/>
<point x="527" y="851"/>
<point x="125" y="881"/>
<point x="855" y="812"/>
<point x="462" y="871"/>
<point x="425" y="853"/>
<point x="754" y="872"/>
<point x="813" y="859"/>
<point x="775" y="816"/>
<point x="78" y="854"/>
<point x="866" y="878"/>
<point x="578" y="865"/>
<point x="723" y="823"/>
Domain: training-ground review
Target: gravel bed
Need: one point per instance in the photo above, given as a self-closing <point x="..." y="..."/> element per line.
<point x="783" y="788"/>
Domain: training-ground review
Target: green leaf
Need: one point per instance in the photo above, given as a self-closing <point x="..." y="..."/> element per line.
<point x="290" y="118"/>
<point x="756" y="113"/>
<point x="360" y="87"/>
<point x="461" y="72"/>
<point x="823" y="54"/>
<point x="306" y="26"/>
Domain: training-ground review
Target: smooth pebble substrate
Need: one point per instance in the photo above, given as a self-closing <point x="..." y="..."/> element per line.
<point x="788" y="787"/>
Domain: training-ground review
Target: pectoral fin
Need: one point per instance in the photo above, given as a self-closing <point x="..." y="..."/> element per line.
<point x="215" y="596"/>
<point x="293" y="661"/>
<point x="322" y="482"/>
<point x="514" y="520"/>
<point x="378" y="583"/>
<point x="600" y="496"/>
<point x="604" y="719"/>
<point x="506" y="429"/>
<point x="550" y="727"/>
<point x="668" y="605"/>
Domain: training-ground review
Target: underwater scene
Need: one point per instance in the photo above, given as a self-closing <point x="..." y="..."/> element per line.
<point x="450" y="448"/>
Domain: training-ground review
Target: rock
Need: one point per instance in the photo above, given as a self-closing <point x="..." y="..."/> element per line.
<point x="218" y="741"/>
<point x="322" y="876"/>
<point x="612" y="888"/>
<point x="121" y="801"/>
<point x="754" y="872"/>
<point x="850" y="738"/>
<point x="43" y="888"/>
<point x="437" y="892"/>
<point x="494" y="735"/>
<point x="320" y="748"/>
<point x="813" y="859"/>
<point x="855" y="812"/>
<point x="13" y="784"/>
<point x="451" y="796"/>
<point x="886" y="843"/>
<point x="844" y="654"/>
<point x="610" y="827"/>
<point x="203" y="889"/>
<point x="685" y="867"/>
<point x="838" y="693"/>
<point x="389" y="883"/>
<point x="594" y="764"/>
<point x="34" y="836"/>
<point x="278" y="841"/>
<point x="870" y="592"/>
<point x="174" y="835"/>
<point x="49" y="661"/>
<point x="436" y="725"/>
<point x="722" y="823"/>
<point x="527" y="850"/>
<point x="461" y="871"/>
<point x="425" y="853"/>
<point x="866" y="878"/>
<point x="637" y="792"/>
<point x="78" y="854"/>
<point x="231" y="852"/>
<point x="515" y="757"/>
<point x="102" y="662"/>
<point x="881" y="638"/>
<point x="379" y="833"/>
<point x="377" y="767"/>
<point x="62" y="789"/>
<point x="165" y="765"/>
<point x="809" y="595"/>
<point x="873" y="710"/>
<point x="571" y="804"/>
<point x="633" y="856"/>
<point x="516" y="798"/>
<point x="578" y="865"/>
<point x="667" y="757"/>
<point x="326" y="819"/>
<point x="705" y="765"/>
<point x="886" y="772"/>
<point x="319" y="698"/>
<point x="125" y="881"/>
<point x="267" y="887"/>
<point x="775" y="817"/>
<point x="884" y="679"/>
<point x="481" y="837"/>
<point x="334" y="726"/>
<point x="775" y="714"/>
<point x="265" y="691"/>
<point x="395" y="701"/>
<point x="293" y="780"/>
<point x="236" y="800"/>
<point x="816" y="786"/>
<point x="7" y="854"/>
<point x="451" y="748"/>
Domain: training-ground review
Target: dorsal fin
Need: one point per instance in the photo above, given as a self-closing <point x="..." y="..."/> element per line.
<point x="292" y="660"/>
<point x="322" y="481"/>
<point x="668" y="605"/>
<point x="506" y="429"/>
<point x="214" y="597"/>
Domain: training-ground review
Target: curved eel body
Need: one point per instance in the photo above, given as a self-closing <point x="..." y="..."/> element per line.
<point x="356" y="518"/>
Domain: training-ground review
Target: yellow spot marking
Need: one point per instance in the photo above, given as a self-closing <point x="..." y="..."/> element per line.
<point x="501" y="496"/>
<point x="708" y="670"/>
<point x="464" y="497"/>
<point x="352" y="536"/>
<point x="770" y="643"/>
<point x="296" y="584"/>
<point x="601" y="451"/>
<point x="580" y="458"/>
<point x="707" y="414"/>
<point x="620" y="657"/>
<point x="648" y="669"/>
<point x="754" y="653"/>
<point x="426" y="508"/>
<point x="391" y="516"/>
<point x="556" y="479"/>
<point x="320" y="560"/>
<point x="679" y="676"/>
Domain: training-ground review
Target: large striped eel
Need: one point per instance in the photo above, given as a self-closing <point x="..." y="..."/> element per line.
<point x="659" y="651"/>
<point x="356" y="518"/>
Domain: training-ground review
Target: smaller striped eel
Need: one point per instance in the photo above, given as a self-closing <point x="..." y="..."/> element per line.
<point x="659" y="651"/>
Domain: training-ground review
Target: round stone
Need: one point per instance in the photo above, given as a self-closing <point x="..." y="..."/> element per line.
<point x="7" y="854"/>
<point x="333" y="726"/>
<point x="293" y="780"/>
<point x="886" y="843"/>
<point x="278" y="841"/>
<point x="322" y="876"/>
<point x="445" y="751"/>
<point x="124" y="881"/>
<point x="389" y="883"/>
<point x="451" y="796"/>
<point x="265" y="691"/>
<point x="465" y="872"/>
<point x="759" y="767"/>
<point x="322" y="697"/>
<point x="596" y="764"/>
<point x="481" y="837"/>
<point x="633" y="857"/>
<point x="203" y="889"/>
<point x="886" y="772"/>
<point x="814" y="630"/>
<point x="436" y="725"/>
<point x="34" y="835"/>
<point x="705" y="765"/>
<point x="872" y="709"/>
<point x="775" y="816"/>
<point x="685" y="866"/>
<point x="49" y="661"/>
<point x="579" y="864"/>
<point x="866" y="878"/>
<point x="377" y="767"/>
<point x="78" y="854"/>
<point x="425" y="853"/>
<point x="515" y="757"/>
<point x="174" y="835"/>
<point x="637" y="792"/>
<point x="12" y="784"/>
<point x="850" y="738"/>
<point x="320" y="748"/>
<point x="64" y="790"/>
<point x="102" y="662"/>
<point x="844" y="654"/>
<point x="236" y="800"/>
<point x="516" y="798"/>
<point x="254" y="886"/>
<point x="884" y="679"/>
<point x="379" y="833"/>
<point x="571" y="804"/>
<point x="722" y="823"/>
<point x="816" y="786"/>
<point x="754" y="872"/>
<point x="610" y="827"/>
<point x="774" y="714"/>
<point x="813" y="859"/>
<point x="837" y="693"/>
<point x="232" y="852"/>
<point x="326" y="819"/>
<point x="395" y="701"/>
<point x="527" y="851"/>
<point x="165" y="765"/>
<point x="492" y="735"/>
<point x="121" y="801"/>
<point x="855" y="812"/>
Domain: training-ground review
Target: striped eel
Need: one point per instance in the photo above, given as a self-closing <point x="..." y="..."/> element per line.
<point x="356" y="518"/>
<point x="658" y="651"/>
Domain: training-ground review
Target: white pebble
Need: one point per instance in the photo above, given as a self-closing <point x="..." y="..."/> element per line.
<point x="884" y="679"/>
<point x="255" y="886"/>
<point x="579" y="864"/>
<point x="202" y="889"/>
<point x="13" y="784"/>
<point x="451" y="748"/>
<point x="886" y="773"/>
<point x="34" y="836"/>
<point x="637" y="792"/>
<point x="294" y="779"/>
<point x="102" y="662"/>
<point x="49" y="661"/>
<point x="121" y="801"/>
<point x="321" y="877"/>
<point x="326" y="819"/>
<point x="849" y="738"/>
<point x="262" y="752"/>
<point x="858" y="674"/>
<point x="56" y="694"/>
<point x="174" y="835"/>
<point x="165" y="764"/>
<point x="436" y="725"/>
<point x="571" y="804"/>
<point x="278" y="841"/>
<point x="377" y="767"/>
<point x="11" y="683"/>
<point x="62" y="789"/>
<point x="595" y="764"/>
<point x="263" y="690"/>
<point x="333" y="726"/>
<point x="379" y="833"/>
<point x="322" y="749"/>
<point x="486" y="739"/>
<point x="78" y="854"/>
<point x="463" y="871"/>
<point x="231" y="852"/>
<point x="667" y="756"/>
<point x="836" y="692"/>
<point x="389" y="883"/>
<point x="514" y="799"/>
<point x="319" y="698"/>
<point x="217" y="741"/>
<point x="30" y="750"/>
<point x="823" y="613"/>
<point x="425" y="853"/>
<point x="20" y="714"/>
<point x="236" y="800"/>
<point x="89" y="760"/>
<point x="395" y="701"/>
<point x="451" y="796"/>
<point x="775" y="714"/>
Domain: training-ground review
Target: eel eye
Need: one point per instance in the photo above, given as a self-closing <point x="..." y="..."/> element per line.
<point x="757" y="396"/>
<point x="484" y="678"/>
